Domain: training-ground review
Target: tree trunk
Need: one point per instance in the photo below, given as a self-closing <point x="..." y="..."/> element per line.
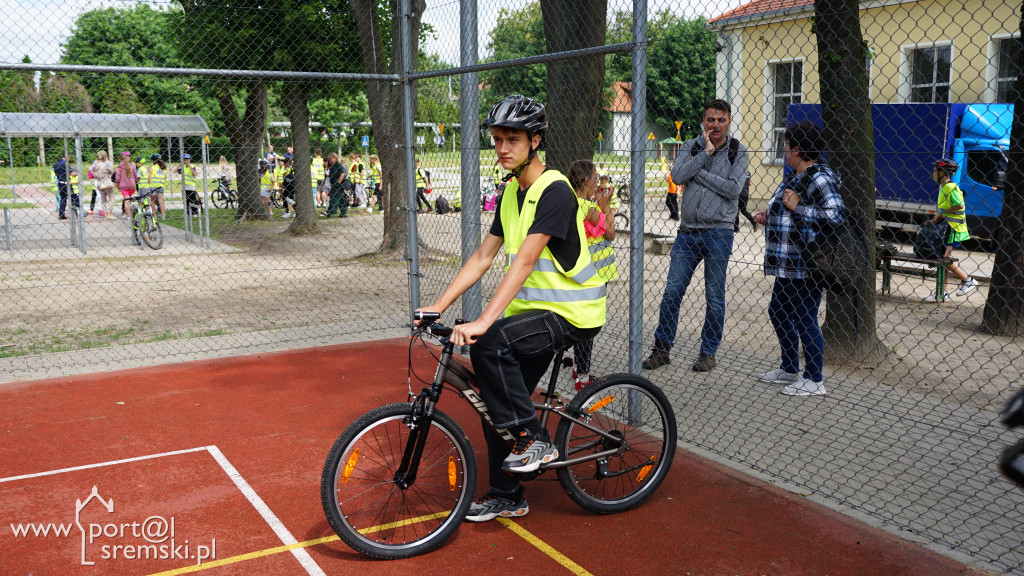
<point x="386" y="113"/>
<point x="296" y="100"/>
<point x="574" y="86"/>
<point x="246" y="134"/>
<point x="1004" y="308"/>
<point x="849" y="327"/>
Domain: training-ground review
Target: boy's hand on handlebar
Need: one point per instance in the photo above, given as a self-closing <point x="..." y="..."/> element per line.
<point x="468" y="333"/>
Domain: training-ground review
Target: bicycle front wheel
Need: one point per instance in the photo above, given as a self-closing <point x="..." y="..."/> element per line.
<point x="219" y="199"/>
<point x="367" y="508"/>
<point x="642" y="427"/>
<point x="151" y="233"/>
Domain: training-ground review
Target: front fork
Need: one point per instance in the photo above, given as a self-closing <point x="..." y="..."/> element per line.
<point x="419" y="421"/>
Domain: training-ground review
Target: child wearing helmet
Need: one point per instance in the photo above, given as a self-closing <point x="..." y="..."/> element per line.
<point x="550" y="297"/>
<point x="157" y="180"/>
<point x="950" y="206"/>
<point x="266" y="185"/>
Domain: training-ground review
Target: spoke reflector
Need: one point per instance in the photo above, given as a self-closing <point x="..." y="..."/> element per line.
<point x="350" y="465"/>
<point x="600" y="404"/>
<point x="645" y="470"/>
<point x="451" y="473"/>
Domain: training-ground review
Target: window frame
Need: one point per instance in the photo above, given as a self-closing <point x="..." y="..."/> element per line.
<point x="770" y="131"/>
<point x="992" y="69"/>
<point x="907" y="52"/>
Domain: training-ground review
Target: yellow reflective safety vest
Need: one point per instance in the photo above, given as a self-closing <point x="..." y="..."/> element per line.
<point x="142" y="177"/>
<point x="157" y="177"/>
<point x="496" y="175"/>
<point x="279" y="173"/>
<point x="266" y="181"/>
<point x="601" y="250"/>
<point x="958" y="219"/>
<point x="421" y="182"/>
<point x="577" y="294"/>
<point x="375" y="169"/>
<point x="317" y="170"/>
<point x="188" y="178"/>
<point x="355" y="174"/>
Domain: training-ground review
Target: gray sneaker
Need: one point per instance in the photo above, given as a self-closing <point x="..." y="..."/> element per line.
<point x="491" y="505"/>
<point x="779" y="376"/>
<point x="530" y="452"/>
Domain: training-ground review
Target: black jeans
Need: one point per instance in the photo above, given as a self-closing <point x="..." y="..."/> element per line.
<point x="509" y="360"/>
<point x="63" y="188"/>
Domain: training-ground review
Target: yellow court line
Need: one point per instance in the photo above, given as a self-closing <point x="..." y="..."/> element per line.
<point x="545" y="548"/>
<point x="244" y="557"/>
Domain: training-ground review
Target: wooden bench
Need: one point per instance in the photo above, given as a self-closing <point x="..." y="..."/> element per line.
<point x="936" y="268"/>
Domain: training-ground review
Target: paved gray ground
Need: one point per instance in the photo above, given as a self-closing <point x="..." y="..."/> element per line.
<point x="890" y="447"/>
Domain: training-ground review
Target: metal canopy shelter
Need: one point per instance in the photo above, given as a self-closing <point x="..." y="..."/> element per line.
<point x="81" y="125"/>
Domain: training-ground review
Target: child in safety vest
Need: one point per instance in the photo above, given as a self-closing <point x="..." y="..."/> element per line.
<point x="950" y="206"/>
<point x="188" y="183"/>
<point x="157" y="181"/>
<point x="599" y="225"/>
<point x="266" y="185"/>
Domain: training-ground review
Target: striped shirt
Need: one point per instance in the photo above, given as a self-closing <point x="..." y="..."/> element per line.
<point x="788" y="231"/>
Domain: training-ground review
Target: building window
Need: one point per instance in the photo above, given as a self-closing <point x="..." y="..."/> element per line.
<point x="787" y="88"/>
<point x="929" y="77"/>
<point x="1006" y="74"/>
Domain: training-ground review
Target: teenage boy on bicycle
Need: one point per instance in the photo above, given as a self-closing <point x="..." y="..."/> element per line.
<point x="551" y="297"/>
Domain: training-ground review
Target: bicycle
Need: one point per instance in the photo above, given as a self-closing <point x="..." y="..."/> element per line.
<point x="622" y="208"/>
<point x="224" y="196"/>
<point x="145" y="228"/>
<point x="400" y="479"/>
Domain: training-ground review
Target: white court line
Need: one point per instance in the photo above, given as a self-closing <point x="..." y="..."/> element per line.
<point x="101" y="464"/>
<point x="301" y="554"/>
<point x="286" y="537"/>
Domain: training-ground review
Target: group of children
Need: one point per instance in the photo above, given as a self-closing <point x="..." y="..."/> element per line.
<point x="277" y="177"/>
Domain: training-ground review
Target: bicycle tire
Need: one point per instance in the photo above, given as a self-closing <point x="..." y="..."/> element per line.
<point x="637" y="411"/>
<point x="135" y="224"/>
<point x="371" y="513"/>
<point x="219" y="199"/>
<point x="621" y="221"/>
<point x="152" y="235"/>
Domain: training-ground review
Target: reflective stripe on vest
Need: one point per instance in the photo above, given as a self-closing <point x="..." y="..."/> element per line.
<point x="577" y="294"/>
<point x="957" y="219"/>
<point x="157" y="178"/>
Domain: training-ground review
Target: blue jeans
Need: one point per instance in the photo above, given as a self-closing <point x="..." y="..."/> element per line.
<point x="794" y="315"/>
<point x="713" y="247"/>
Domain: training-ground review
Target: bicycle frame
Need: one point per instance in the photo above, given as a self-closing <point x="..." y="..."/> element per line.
<point x="460" y="378"/>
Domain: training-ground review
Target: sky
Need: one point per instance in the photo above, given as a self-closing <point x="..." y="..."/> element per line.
<point x="38" y="27"/>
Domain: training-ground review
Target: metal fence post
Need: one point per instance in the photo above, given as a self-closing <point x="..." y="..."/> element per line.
<point x="81" y="194"/>
<point x="469" y="96"/>
<point x="8" y="237"/>
<point x="638" y="165"/>
<point x="410" y="167"/>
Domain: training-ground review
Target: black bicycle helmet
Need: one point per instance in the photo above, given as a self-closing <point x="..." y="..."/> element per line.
<point x="518" y="113"/>
<point x="155" y="158"/>
<point x="264" y="165"/>
<point x="947" y="165"/>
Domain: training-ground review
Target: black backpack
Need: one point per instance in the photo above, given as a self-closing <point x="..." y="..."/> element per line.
<point x="837" y="256"/>
<point x="930" y="242"/>
<point x="441" y="206"/>
<point x="288" y="182"/>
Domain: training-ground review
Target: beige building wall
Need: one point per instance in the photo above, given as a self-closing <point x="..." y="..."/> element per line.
<point x="892" y="30"/>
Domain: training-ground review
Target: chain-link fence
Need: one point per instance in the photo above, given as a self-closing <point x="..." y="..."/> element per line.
<point x="290" y="223"/>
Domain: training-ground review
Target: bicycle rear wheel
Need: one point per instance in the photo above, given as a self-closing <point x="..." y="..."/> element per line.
<point x="370" y="512"/>
<point x="152" y="235"/>
<point x="640" y="418"/>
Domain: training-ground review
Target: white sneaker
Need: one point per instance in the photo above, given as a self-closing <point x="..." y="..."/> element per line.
<point x="804" y="387"/>
<point x="966" y="286"/>
<point x="290" y="201"/>
<point x="288" y="215"/>
<point x="933" y="297"/>
<point x="779" y="376"/>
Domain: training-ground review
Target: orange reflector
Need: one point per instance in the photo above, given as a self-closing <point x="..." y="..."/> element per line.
<point x="645" y="470"/>
<point x="350" y="465"/>
<point x="451" y="473"/>
<point x="600" y="404"/>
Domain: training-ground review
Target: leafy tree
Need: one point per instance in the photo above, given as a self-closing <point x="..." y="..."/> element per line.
<point x="1004" y="308"/>
<point x="137" y="36"/>
<point x="18" y="90"/>
<point x="381" y="55"/>
<point x="60" y="93"/>
<point x="516" y="34"/>
<point x="850" y="325"/>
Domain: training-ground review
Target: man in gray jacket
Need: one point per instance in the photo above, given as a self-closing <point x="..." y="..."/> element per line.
<point x="712" y="169"/>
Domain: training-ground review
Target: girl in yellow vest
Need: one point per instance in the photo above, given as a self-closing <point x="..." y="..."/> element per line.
<point x="551" y="296"/>
<point x="157" y="181"/>
<point x="189" y="181"/>
<point x="266" y="185"/>
<point x="422" y="183"/>
<point x="950" y="206"/>
<point x="599" y="225"/>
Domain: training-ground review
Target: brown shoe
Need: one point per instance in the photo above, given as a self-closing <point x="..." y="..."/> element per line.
<point x="704" y="363"/>
<point x="659" y="356"/>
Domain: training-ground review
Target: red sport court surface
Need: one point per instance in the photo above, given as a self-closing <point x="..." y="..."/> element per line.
<point x="221" y="459"/>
